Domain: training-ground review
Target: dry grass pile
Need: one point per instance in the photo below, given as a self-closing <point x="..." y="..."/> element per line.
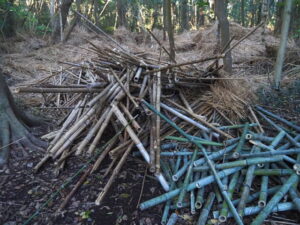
<point x="252" y="48"/>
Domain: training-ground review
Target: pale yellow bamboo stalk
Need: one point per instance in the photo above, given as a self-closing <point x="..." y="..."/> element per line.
<point x="185" y="102"/>
<point x="157" y="125"/>
<point x="91" y="133"/>
<point x="113" y="176"/>
<point x="103" y="155"/>
<point x="135" y="124"/>
<point x="125" y="89"/>
<point x="70" y="140"/>
<point x="116" y="150"/>
<point x="100" y="132"/>
<point x="110" y="167"/>
<point x="81" y="123"/>
<point x="138" y="144"/>
<point x="65" y="125"/>
<point x="50" y="135"/>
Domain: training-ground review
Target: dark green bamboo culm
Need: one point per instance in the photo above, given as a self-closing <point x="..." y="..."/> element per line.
<point x="187" y="179"/>
<point x="273" y="153"/>
<point x="263" y="189"/>
<point x="255" y="196"/>
<point x="272" y="172"/>
<point x="275" y="200"/>
<point x="206" y="209"/>
<point x="246" y="162"/>
<point x="294" y="126"/>
<point x="192" y="197"/>
<point x="289" y="137"/>
<point x="247" y="185"/>
<point x="172" y="187"/>
<point x="209" y="162"/>
<point x="252" y="210"/>
<point x="200" y="194"/>
<point x="231" y="188"/>
<point x="173" y="219"/>
<point x="236" y="152"/>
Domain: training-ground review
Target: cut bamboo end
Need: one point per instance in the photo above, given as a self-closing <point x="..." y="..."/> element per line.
<point x="261" y="204"/>
<point x="222" y="219"/>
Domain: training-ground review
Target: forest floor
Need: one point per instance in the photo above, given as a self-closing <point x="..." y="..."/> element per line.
<point x="22" y="192"/>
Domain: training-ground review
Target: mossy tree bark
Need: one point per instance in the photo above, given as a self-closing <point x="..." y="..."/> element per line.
<point x="14" y="126"/>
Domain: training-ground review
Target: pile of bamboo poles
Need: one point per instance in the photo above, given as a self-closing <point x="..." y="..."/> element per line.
<point x="121" y="101"/>
<point x="253" y="174"/>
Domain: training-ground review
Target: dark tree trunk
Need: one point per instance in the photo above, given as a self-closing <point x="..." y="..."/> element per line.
<point x="14" y="125"/>
<point x="9" y="26"/>
<point x="220" y="12"/>
<point x="64" y="11"/>
<point x="121" y="9"/>
<point x="243" y="12"/>
<point x="184" y="20"/>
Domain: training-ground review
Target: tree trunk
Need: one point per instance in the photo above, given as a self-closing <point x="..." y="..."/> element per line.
<point x="283" y="42"/>
<point x="14" y="126"/>
<point x="184" y="15"/>
<point x="60" y="19"/>
<point x="243" y="12"/>
<point x="220" y="12"/>
<point x="279" y="11"/>
<point x="170" y="29"/>
<point x="165" y="19"/>
<point x="121" y="9"/>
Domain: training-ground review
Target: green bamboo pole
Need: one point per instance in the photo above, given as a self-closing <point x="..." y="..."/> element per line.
<point x="200" y="194"/>
<point x="206" y="209"/>
<point x="245" y="162"/>
<point x="209" y="162"/>
<point x="272" y="153"/>
<point x="272" y="172"/>
<point x="252" y="210"/>
<point x="236" y="152"/>
<point x="269" y="148"/>
<point x="231" y="188"/>
<point x="173" y="219"/>
<point x="186" y="179"/>
<point x="203" y="142"/>
<point x="289" y="137"/>
<point x="196" y="184"/>
<point x="293" y="193"/>
<point x="247" y="185"/>
<point x="192" y="198"/>
<point x="263" y="189"/>
<point x="168" y="203"/>
<point x="237" y="126"/>
<point x="215" y="155"/>
<point x="181" y="171"/>
<point x="275" y="200"/>
<point x="255" y="196"/>
<point x="290" y="124"/>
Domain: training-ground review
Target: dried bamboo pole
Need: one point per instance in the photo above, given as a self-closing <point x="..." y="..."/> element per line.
<point x="138" y="144"/>
<point x="157" y="125"/>
<point x="92" y="132"/>
<point x="83" y="122"/>
<point x="104" y="124"/>
<point x="134" y="123"/>
<point x="125" y="89"/>
<point x="76" y="187"/>
<point x="110" y="167"/>
<point x="153" y="146"/>
<point x="70" y="140"/>
<point x="103" y="155"/>
<point x="56" y="90"/>
<point x="102" y="194"/>
<point x="187" y="119"/>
